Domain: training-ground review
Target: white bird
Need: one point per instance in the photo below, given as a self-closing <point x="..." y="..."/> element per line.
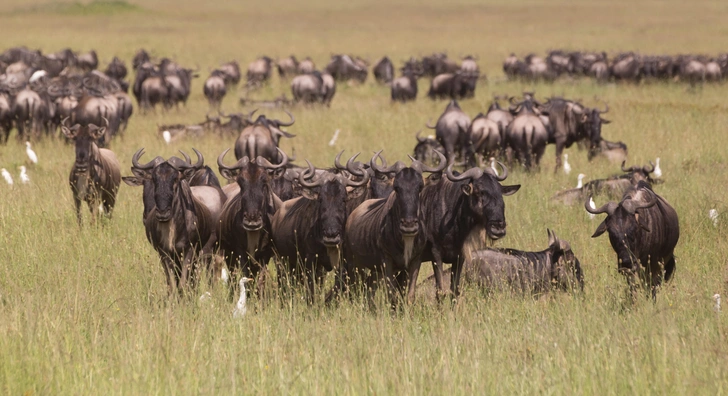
<point x="240" y="308"/>
<point x="167" y="136"/>
<point x="657" y="172"/>
<point x="23" y="175"/>
<point x="492" y="166"/>
<point x="567" y="167"/>
<point x="593" y="206"/>
<point x="31" y="154"/>
<point x="333" y="139"/>
<point x="205" y="296"/>
<point x="713" y="215"/>
<point x="716" y="299"/>
<point x="6" y="175"/>
<point x="224" y="276"/>
<point x="580" y="180"/>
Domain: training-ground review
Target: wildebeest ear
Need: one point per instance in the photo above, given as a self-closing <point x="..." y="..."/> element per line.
<point x="510" y="190"/>
<point x="189" y="173"/>
<point x="600" y="230"/>
<point x="356" y="192"/>
<point x="70" y="132"/>
<point x="309" y="194"/>
<point x="605" y="121"/>
<point x="133" y="181"/>
<point x="96" y="132"/>
<point x="642" y="225"/>
<point x="467" y="188"/>
<point x="229" y="174"/>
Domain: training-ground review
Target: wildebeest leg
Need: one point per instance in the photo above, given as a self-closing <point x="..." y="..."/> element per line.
<point x="457" y="270"/>
<point x="413" y="273"/>
<point x="77" y="202"/>
<point x="390" y="282"/>
<point x="186" y="269"/>
<point x="559" y="150"/>
<point x="168" y="267"/>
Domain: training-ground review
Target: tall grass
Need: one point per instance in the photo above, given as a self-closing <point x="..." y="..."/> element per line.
<point x="85" y="311"/>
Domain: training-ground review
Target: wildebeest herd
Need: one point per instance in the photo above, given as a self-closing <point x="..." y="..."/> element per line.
<point x="370" y="223"/>
<point x="626" y="66"/>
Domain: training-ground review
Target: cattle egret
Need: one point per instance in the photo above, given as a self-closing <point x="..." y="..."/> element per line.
<point x="492" y="166"/>
<point x="31" y="154"/>
<point x="167" y="136"/>
<point x="224" y="276"/>
<point x="6" y="175"/>
<point x="657" y="172"/>
<point x="24" y="176"/>
<point x="333" y="139"/>
<point x="593" y="206"/>
<point x="205" y="296"/>
<point x="713" y="215"/>
<point x="580" y="180"/>
<point x="716" y="299"/>
<point x="567" y="167"/>
<point x="240" y="308"/>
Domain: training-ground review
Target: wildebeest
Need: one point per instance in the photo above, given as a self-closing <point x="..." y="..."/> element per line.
<point x="470" y="67"/>
<point x="643" y="230"/>
<point x="626" y="67"/>
<point x="31" y="112"/>
<point x="245" y="221"/>
<point x="556" y="267"/>
<point x="308" y="230"/>
<point x="457" y="205"/>
<point x="287" y="66"/>
<point x="308" y="88"/>
<point x="96" y="173"/>
<point x="259" y="70"/>
<point x="426" y="148"/>
<point x="457" y="85"/>
<point x="306" y="66"/>
<point x="483" y="138"/>
<point x="94" y="109"/>
<point x="116" y="69"/>
<point x="345" y="68"/>
<point x="404" y="88"/>
<point x="500" y="116"/>
<point x="384" y="71"/>
<point x="214" y="88"/>
<point x="141" y="57"/>
<point x="260" y="138"/>
<point x="452" y="125"/>
<point x="613" y="187"/>
<point x="88" y="61"/>
<point x="527" y="136"/>
<point x="231" y="72"/>
<point x="436" y="64"/>
<point x="6" y="117"/>
<point x="150" y="87"/>
<point x="180" y="220"/>
<point x="386" y="236"/>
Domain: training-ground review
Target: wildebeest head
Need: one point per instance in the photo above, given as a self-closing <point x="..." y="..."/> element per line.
<point x="162" y="180"/>
<point x="639" y="173"/>
<point x="254" y="180"/>
<point x="425" y="149"/>
<point x="593" y="120"/>
<point x="565" y="266"/>
<point x="623" y="222"/>
<point x="84" y="138"/>
<point x="485" y="197"/>
<point x="329" y="190"/>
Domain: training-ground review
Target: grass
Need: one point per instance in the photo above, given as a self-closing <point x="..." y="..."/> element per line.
<point x="86" y="311"/>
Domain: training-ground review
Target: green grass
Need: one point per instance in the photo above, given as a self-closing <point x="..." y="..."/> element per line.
<point x="86" y="311"/>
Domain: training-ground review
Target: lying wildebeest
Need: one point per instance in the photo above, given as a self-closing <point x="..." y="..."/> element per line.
<point x="245" y="222"/>
<point x="457" y="85"/>
<point x="180" y="220"/>
<point x="384" y="71"/>
<point x="404" y="88"/>
<point x="287" y="66"/>
<point x="308" y="230"/>
<point x="527" y="135"/>
<point x="643" y="230"/>
<point x="261" y="137"/>
<point x="613" y="187"/>
<point x="615" y="152"/>
<point x="452" y="124"/>
<point x="455" y="206"/>
<point x="214" y="88"/>
<point x="96" y="173"/>
<point x="427" y="148"/>
<point x="259" y="70"/>
<point x="387" y="236"/>
<point x="526" y="272"/>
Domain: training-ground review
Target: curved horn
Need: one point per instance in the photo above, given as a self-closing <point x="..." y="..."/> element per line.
<point x="312" y="172"/>
<point x="106" y="122"/>
<point x="606" y="109"/>
<point x="420" y="139"/>
<point x="250" y="116"/>
<point x="364" y="176"/>
<point x="289" y="123"/>
<point x="135" y="161"/>
<point x="631" y="205"/>
<point x="353" y="170"/>
<point x="187" y="157"/>
<point x="428" y="124"/>
<point x="472" y="173"/>
<point x="504" y="174"/>
<point x="607" y="208"/>
<point x="221" y="165"/>
<point x="266" y="164"/>
<point x="648" y="170"/>
<point x="373" y="163"/>
<point x="623" y="168"/>
<point x="337" y="162"/>
<point x="189" y="164"/>
<point x="65" y="124"/>
<point x="426" y="168"/>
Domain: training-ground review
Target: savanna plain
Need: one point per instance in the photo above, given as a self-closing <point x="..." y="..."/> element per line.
<point x="86" y="311"/>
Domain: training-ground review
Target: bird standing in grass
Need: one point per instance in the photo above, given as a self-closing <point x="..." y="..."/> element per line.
<point x="240" y="307"/>
<point x="713" y="215"/>
<point x="167" y="136"/>
<point x="567" y="167"/>
<point x="593" y="206"/>
<point x="23" y="175"/>
<point x="580" y="180"/>
<point x="657" y="172"/>
<point x="716" y="300"/>
<point x="31" y="154"/>
<point x="6" y="175"/>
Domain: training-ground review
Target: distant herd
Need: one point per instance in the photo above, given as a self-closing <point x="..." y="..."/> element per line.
<point x="371" y="223"/>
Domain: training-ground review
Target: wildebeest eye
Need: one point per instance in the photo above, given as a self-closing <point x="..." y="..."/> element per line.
<point x="382" y="177"/>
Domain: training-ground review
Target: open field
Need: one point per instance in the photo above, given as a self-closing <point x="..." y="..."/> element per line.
<point x="87" y="312"/>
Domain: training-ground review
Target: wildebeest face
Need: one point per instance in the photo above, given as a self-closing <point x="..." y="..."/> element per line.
<point x="594" y="124"/>
<point x="84" y="138"/>
<point x="623" y="228"/>
<point x="332" y="211"/>
<point x="166" y="182"/>
<point x="565" y="268"/>
<point x="408" y="185"/>
<point x="381" y="183"/>
<point x="485" y="198"/>
<point x="253" y="181"/>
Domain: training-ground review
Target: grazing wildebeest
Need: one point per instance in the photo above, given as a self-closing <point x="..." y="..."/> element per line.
<point x="245" y="221"/>
<point x="626" y="67"/>
<point x="404" y="88"/>
<point x="231" y="72"/>
<point x="287" y="66"/>
<point x="116" y="69"/>
<point x="150" y="87"/>
<point x="500" y="116"/>
<point x="261" y="137"/>
<point x="384" y="71"/>
<point x="308" y="230"/>
<point x="457" y="85"/>
<point x="306" y="66"/>
<point x="214" y="88"/>
<point x="96" y="173"/>
<point x="344" y="68"/>
<point x="643" y="230"/>
<point x="180" y="220"/>
<point x="556" y="267"/>
<point x="386" y="236"/>
<point x="313" y="88"/>
<point x="426" y="149"/>
<point x="452" y="124"/>
<point x="140" y="58"/>
<point x="259" y="70"/>
<point x="512" y="66"/>
<point x="437" y="64"/>
<point x="457" y="205"/>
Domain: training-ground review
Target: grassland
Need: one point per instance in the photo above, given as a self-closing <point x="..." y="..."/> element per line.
<point x="86" y="311"/>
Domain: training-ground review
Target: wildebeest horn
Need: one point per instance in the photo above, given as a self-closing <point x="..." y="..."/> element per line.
<point x="63" y="123"/>
<point x="607" y="208"/>
<point x="266" y="164"/>
<point x="416" y="164"/>
<point x="503" y="174"/>
<point x="606" y="109"/>
<point x="420" y="139"/>
<point x="630" y="169"/>
<point x="472" y="173"/>
<point x="200" y="159"/>
<point x="631" y="206"/>
<point x="337" y="160"/>
<point x="373" y="162"/>
<point x="302" y="177"/>
<point x="241" y="162"/>
<point x="187" y="157"/>
<point x="428" y="124"/>
<point x="106" y="122"/>
<point x="357" y="172"/>
<point x="289" y="123"/>
<point x="647" y="169"/>
<point x="135" y="161"/>
<point x="250" y="116"/>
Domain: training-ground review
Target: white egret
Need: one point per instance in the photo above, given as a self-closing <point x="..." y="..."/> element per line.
<point x="567" y="167"/>
<point x="23" y="175"/>
<point x="713" y="215"/>
<point x="580" y="180"/>
<point x="6" y="175"/>
<point x="31" y="154"/>
<point x="240" y="308"/>
<point x="657" y="172"/>
<point x="716" y="299"/>
<point x="167" y="136"/>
